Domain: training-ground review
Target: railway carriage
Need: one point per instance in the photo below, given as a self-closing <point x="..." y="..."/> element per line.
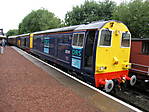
<point x="22" y="41"/>
<point x="12" y="40"/>
<point x="140" y="58"/>
<point x="98" y="52"/>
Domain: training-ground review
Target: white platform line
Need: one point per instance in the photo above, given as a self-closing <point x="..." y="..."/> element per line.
<point x="109" y="96"/>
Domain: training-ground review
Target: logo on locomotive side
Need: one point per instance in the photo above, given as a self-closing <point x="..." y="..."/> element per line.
<point x="76" y="52"/>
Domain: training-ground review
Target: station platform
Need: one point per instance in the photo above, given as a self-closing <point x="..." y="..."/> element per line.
<point x="28" y="84"/>
<point x="25" y="87"/>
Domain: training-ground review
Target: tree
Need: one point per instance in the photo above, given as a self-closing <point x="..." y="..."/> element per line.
<point x="39" y="20"/>
<point x="12" y="32"/>
<point x="90" y="11"/>
<point x="135" y="15"/>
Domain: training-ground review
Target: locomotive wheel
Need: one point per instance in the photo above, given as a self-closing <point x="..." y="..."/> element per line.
<point x="109" y="86"/>
<point x="133" y="80"/>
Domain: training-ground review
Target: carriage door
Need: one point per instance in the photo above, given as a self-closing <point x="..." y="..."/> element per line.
<point x="88" y="51"/>
<point x="77" y="50"/>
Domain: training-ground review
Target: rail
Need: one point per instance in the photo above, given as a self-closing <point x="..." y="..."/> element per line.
<point x="145" y="69"/>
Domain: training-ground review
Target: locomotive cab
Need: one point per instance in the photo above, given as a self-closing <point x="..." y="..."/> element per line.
<point x="112" y="56"/>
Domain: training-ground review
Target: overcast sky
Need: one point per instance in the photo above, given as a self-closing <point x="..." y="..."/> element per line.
<point x="13" y="11"/>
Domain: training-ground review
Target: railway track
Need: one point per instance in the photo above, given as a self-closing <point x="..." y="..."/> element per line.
<point x="98" y="98"/>
<point x="137" y="96"/>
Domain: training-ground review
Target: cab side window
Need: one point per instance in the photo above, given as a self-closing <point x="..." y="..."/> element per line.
<point x="77" y="40"/>
<point x="125" y="42"/>
<point x="105" y="38"/>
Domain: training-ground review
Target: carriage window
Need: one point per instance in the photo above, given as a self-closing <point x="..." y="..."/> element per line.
<point x="105" y="38"/>
<point x="145" y="48"/>
<point x="125" y="42"/>
<point x="78" y="40"/>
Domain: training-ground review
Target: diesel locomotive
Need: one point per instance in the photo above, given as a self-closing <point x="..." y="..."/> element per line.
<point x="99" y="51"/>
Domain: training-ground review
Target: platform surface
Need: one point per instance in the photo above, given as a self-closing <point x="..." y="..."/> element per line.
<point x="25" y="87"/>
<point x="28" y="84"/>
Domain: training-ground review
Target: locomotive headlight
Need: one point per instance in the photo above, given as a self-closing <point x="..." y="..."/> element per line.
<point x="102" y="68"/>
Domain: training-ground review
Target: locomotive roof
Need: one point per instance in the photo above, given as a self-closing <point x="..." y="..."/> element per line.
<point x="69" y="28"/>
<point x="95" y="25"/>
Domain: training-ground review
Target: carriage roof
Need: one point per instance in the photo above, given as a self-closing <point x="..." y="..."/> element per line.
<point x="140" y="39"/>
<point x="23" y="35"/>
<point x="12" y="36"/>
<point x="19" y="35"/>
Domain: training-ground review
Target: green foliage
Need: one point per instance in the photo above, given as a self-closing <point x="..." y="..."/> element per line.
<point x="39" y="20"/>
<point x="12" y="32"/>
<point x="135" y="15"/>
<point x="90" y="11"/>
